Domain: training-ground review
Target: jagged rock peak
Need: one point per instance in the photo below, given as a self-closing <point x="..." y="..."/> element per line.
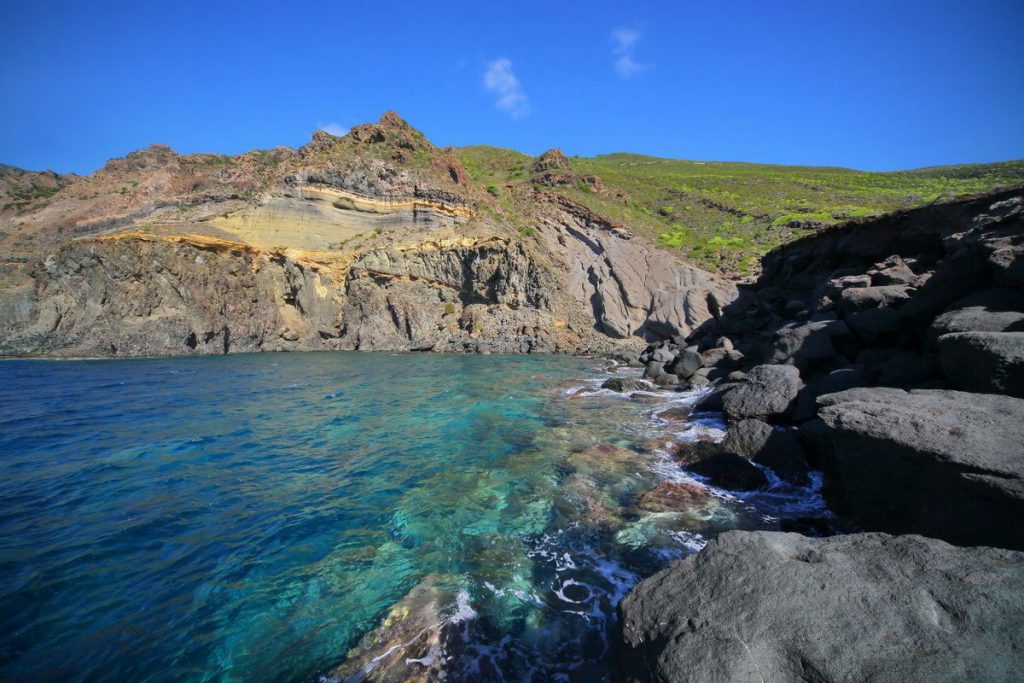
<point x="550" y="160"/>
<point x="151" y="157"/>
<point x="391" y="119"/>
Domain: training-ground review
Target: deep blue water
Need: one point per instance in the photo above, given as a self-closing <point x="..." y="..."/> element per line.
<point x="250" y="518"/>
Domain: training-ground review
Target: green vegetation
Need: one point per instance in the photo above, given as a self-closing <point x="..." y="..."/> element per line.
<point x="449" y="308"/>
<point x="725" y="215"/>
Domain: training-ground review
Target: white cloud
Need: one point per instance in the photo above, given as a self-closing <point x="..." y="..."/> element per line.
<point x="501" y="81"/>
<point x="623" y="40"/>
<point x="334" y="129"/>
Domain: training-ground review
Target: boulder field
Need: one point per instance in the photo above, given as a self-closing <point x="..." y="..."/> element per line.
<point x="889" y="355"/>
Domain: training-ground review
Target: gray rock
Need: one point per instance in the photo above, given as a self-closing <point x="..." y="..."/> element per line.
<point x="861" y="299"/>
<point x="730" y="471"/>
<point x="988" y="362"/>
<point x="654" y="370"/>
<point x="990" y="310"/>
<point x="835" y="287"/>
<point x="775" y="448"/>
<point x="1007" y="264"/>
<point x="767" y="392"/>
<point x="687" y="362"/>
<point x="892" y="271"/>
<point x="626" y="384"/>
<point x="807" y="343"/>
<point x="946" y="464"/>
<point x="780" y="607"/>
<point x="747" y="437"/>
<point x="666" y="380"/>
<point x="663" y="355"/>
<point x="875" y="325"/>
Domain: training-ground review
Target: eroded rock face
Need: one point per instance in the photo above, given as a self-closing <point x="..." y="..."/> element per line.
<point x="372" y="240"/>
<point x="766" y="606"/>
<point x="947" y="464"/>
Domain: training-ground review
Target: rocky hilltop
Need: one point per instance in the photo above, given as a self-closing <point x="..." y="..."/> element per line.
<point x="377" y="240"/>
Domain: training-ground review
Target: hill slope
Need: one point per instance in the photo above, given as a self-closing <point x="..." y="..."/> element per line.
<point x="724" y="216"/>
<point x="381" y="240"/>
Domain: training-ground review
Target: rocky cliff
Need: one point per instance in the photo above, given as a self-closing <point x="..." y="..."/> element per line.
<point x="377" y="240"/>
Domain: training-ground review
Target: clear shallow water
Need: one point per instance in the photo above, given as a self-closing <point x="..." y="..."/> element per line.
<point x="252" y="517"/>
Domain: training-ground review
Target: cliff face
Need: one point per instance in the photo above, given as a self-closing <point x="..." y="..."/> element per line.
<point x="373" y="241"/>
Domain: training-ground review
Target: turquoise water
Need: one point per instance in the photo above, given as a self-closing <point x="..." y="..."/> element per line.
<point x="250" y="518"/>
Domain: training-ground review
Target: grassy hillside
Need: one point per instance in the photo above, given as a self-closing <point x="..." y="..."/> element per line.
<point x="725" y="215"/>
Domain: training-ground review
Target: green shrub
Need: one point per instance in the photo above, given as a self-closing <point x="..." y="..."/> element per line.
<point x="449" y="308"/>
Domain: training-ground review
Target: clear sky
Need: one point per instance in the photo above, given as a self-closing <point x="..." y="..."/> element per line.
<point x="870" y="85"/>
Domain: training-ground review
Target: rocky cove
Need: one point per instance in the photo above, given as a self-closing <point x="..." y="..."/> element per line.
<point x="878" y="366"/>
<point x="822" y="468"/>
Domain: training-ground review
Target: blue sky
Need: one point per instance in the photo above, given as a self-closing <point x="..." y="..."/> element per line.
<point x="871" y="85"/>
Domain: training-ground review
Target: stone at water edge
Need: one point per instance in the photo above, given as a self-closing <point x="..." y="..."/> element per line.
<point x="946" y="464"/>
<point x="730" y="471"/>
<point x="770" y="606"/>
<point x="777" y="449"/>
<point x="767" y="391"/>
<point x="626" y="384"/>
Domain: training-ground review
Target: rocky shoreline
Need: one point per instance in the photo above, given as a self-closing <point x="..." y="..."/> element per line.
<point x="889" y="355"/>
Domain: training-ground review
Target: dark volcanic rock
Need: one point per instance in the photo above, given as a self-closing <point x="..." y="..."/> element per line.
<point x="626" y="384"/>
<point x="776" y="448"/>
<point x="861" y="299"/>
<point x="989" y="362"/>
<point x="686" y="363"/>
<point x="767" y="391"/>
<point x="764" y="606"/>
<point x="946" y="464"/>
<point x="730" y="471"/>
<point x="747" y="437"/>
<point x="991" y="310"/>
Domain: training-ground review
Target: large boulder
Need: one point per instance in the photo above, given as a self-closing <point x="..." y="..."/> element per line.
<point x="774" y="447"/>
<point x="767" y="392"/>
<point x="686" y="363"/>
<point x="941" y="463"/>
<point x="779" y="607"/>
<point x="988" y="362"/>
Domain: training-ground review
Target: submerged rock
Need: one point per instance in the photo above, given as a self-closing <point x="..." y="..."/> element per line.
<point x="768" y="606"/>
<point x="409" y="643"/>
<point x="671" y="496"/>
<point x="626" y="384"/>
<point x="946" y="464"/>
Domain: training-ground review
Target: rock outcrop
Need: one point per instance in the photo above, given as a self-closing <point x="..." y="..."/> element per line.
<point x="376" y="240"/>
<point x="765" y="606"/>
<point x="939" y="463"/>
